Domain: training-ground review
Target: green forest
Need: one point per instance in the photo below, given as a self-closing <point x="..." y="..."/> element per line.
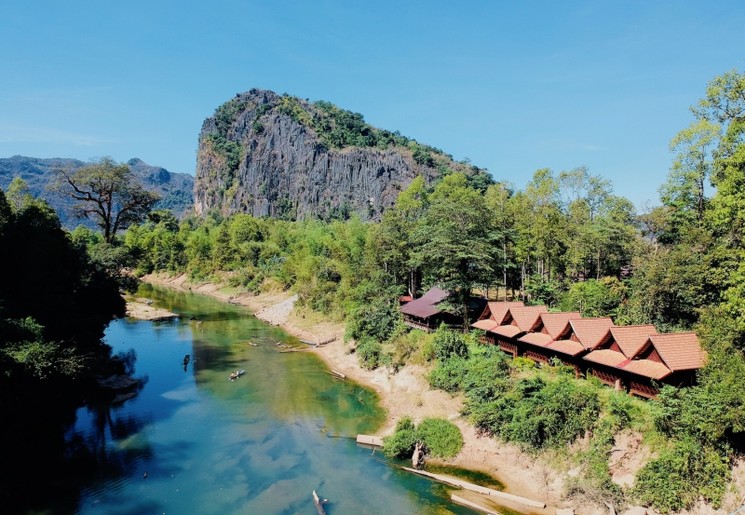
<point x="565" y="240"/>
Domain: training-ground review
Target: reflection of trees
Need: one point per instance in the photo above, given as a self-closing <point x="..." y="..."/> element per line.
<point x="44" y="460"/>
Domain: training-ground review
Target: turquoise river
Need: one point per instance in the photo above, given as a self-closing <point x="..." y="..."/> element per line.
<point x="193" y="442"/>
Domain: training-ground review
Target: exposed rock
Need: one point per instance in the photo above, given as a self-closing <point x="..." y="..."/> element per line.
<point x="280" y="156"/>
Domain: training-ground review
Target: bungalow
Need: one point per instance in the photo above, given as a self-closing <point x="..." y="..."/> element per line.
<point x="494" y="314"/>
<point x="619" y="345"/>
<point x="671" y="358"/>
<point x="424" y="313"/>
<point x="547" y="328"/>
<point x="516" y="320"/>
<point x="428" y="312"/>
<point x="579" y="337"/>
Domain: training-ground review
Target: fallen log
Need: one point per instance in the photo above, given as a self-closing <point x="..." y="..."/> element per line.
<point x="480" y="489"/>
<point x="319" y="503"/>
<point x="338" y="374"/>
<point x="465" y="502"/>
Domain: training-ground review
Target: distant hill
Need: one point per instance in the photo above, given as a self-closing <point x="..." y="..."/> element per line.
<point x="276" y="155"/>
<point x="175" y="189"/>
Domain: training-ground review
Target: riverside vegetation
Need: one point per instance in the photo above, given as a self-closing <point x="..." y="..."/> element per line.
<point x="565" y="241"/>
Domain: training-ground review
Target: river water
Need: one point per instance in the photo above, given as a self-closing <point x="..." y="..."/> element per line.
<point x="193" y="442"/>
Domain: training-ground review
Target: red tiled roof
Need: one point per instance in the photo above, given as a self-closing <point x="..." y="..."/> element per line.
<point x="567" y="347"/>
<point x="499" y="310"/>
<point x="679" y="351"/>
<point x="425" y="306"/>
<point x="631" y="338"/>
<point x="539" y="339"/>
<point x="647" y="368"/>
<point x="506" y="330"/>
<point x="526" y="316"/>
<point x="611" y="358"/>
<point x="555" y="323"/>
<point x="591" y="331"/>
<point x="484" y="324"/>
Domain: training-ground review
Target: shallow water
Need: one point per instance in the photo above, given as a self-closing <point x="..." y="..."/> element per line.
<point x="192" y="441"/>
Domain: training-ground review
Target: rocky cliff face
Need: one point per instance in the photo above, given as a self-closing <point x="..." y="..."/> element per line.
<point x="279" y="156"/>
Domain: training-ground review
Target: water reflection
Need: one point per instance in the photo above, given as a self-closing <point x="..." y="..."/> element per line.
<point x="192" y="441"/>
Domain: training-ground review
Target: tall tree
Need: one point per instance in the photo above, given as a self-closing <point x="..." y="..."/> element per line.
<point x="724" y="104"/>
<point x="684" y="191"/>
<point x="108" y="194"/>
<point x="459" y="244"/>
<point x="497" y="198"/>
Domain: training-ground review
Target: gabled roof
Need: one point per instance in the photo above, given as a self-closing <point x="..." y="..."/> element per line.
<point x="631" y="338"/>
<point x="484" y="324"/>
<point x="498" y="310"/>
<point x="509" y="331"/>
<point x="647" y="368"/>
<point x="679" y="351"/>
<point x="567" y="347"/>
<point x="591" y="331"/>
<point x="538" y="339"/>
<point x="426" y="305"/>
<point x="611" y="358"/>
<point x="525" y="317"/>
<point x="555" y="323"/>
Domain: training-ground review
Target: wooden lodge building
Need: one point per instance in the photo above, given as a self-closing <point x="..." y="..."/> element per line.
<point x="631" y="358"/>
<point x="428" y="312"/>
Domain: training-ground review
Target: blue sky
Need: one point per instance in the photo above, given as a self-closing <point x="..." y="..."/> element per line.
<point x="513" y="86"/>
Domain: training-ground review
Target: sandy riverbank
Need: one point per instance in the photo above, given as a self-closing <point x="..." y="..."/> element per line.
<point x="142" y="310"/>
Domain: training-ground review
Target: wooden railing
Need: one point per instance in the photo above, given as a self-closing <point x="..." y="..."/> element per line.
<point x="418" y="325"/>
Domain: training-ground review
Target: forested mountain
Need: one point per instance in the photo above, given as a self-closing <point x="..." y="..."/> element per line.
<point x="175" y="189"/>
<point x="276" y="155"/>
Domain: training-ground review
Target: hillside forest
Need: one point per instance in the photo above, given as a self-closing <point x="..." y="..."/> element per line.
<point x="565" y="240"/>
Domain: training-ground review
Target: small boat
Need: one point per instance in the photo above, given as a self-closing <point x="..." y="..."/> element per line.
<point x="235" y="375"/>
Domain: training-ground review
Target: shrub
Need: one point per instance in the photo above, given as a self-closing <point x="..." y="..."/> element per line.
<point x="448" y="375"/>
<point x="681" y="474"/>
<point x="448" y="343"/>
<point x="401" y="443"/>
<point x="368" y="353"/>
<point x="441" y="437"/>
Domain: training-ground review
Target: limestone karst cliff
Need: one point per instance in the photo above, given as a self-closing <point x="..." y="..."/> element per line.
<point x="275" y="155"/>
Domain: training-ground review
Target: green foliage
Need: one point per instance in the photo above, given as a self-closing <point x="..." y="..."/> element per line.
<point x="403" y="440"/>
<point x="449" y="374"/>
<point x="595" y="482"/>
<point x="536" y="413"/>
<point x="368" y="353"/>
<point x="440" y="438"/>
<point x="681" y="474"/>
<point x="594" y="298"/>
<point x="448" y="343"/>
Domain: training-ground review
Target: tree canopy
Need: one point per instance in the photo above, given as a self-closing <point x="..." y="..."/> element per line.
<point x="107" y="193"/>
